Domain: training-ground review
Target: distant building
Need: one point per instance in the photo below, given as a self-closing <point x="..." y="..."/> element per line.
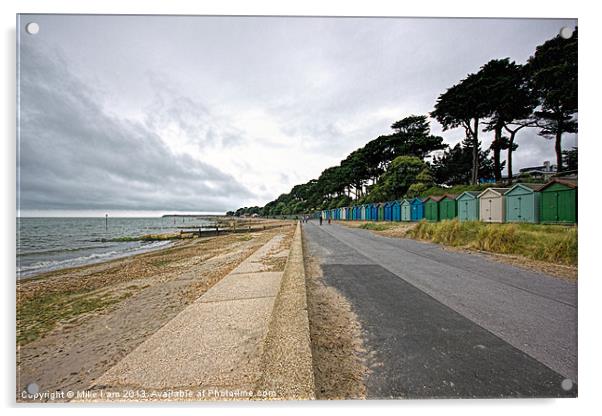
<point x="543" y="172"/>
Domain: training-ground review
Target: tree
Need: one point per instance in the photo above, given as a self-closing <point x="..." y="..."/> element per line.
<point x="396" y="181"/>
<point x="412" y="137"/>
<point x="569" y="158"/>
<point x="553" y="79"/>
<point x="454" y="166"/>
<point x="424" y="180"/>
<point x="464" y="105"/>
<point x="509" y="102"/>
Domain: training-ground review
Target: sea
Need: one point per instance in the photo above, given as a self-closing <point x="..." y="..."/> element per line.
<point x="47" y="244"/>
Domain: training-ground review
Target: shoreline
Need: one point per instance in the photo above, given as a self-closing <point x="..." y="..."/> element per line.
<point x="223" y="227"/>
<point x="72" y="325"/>
<point x="108" y="259"/>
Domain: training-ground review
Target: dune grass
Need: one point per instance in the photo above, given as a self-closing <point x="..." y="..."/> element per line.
<point x="550" y="243"/>
<point x="377" y="226"/>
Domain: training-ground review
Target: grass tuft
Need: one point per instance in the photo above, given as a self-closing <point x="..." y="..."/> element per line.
<point x="377" y="226"/>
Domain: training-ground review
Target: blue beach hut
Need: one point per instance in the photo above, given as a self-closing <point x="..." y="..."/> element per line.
<point x="374" y="212"/>
<point x="396" y="210"/>
<point x="417" y="211"/>
<point x="388" y="211"/>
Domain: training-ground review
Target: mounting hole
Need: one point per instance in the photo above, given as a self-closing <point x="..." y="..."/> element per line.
<point x="566" y="32"/>
<point x="32" y="28"/>
<point x="567" y="384"/>
<point x="33" y="388"/>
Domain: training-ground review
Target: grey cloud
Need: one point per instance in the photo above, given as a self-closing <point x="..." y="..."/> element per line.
<point x="73" y="155"/>
<point x="322" y="81"/>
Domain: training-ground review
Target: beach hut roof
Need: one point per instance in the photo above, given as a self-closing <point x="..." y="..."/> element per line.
<point x="433" y="198"/>
<point x="531" y="186"/>
<point x="473" y="194"/>
<point x="567" y="182"/>
<point x="413" y="200"/>
<point x="499" y="191"/>
<point x="449" y="196"/>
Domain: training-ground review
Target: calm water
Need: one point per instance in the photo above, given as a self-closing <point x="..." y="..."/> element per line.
<point x="45" y="244"/>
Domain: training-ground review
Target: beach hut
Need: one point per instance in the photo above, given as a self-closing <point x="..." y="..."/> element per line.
<point x="559" y="201"/>
<point x="491" y="205"/>
<point x="343" y="213"/>
<point x="388" y="211"/>
<point x="431" y="208"/>
<point x="396" y="211"/>
<point x="381" y="212"/>
<point x="468" y="206"/>
<point x="406" y="210"/>
<point x="522" y="202"/>
<point x="368" y="212"/>
<point x="417" y="212"/>
<point x="374" y="212"/>
<point x="363" y="212"/>
<point x="448" y="209"/>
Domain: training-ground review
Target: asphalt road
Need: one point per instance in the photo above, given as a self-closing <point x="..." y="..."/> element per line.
<point x="439" y="323"/>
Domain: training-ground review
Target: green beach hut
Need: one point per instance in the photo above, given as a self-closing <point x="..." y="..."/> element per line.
<point x="431" y="208"/>
<point x="381" y="212"/>
<point x="406" y="210"/>
<point x="522" y="202"/>
<point x="559" y="201"/>
<point x="468" y="206"/>
<point x="448" y="209"/>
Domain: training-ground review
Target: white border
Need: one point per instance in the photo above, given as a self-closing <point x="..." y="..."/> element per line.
<point x="590" y="288"/>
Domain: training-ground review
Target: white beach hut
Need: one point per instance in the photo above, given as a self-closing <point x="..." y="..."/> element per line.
<point x="491" y="205"/>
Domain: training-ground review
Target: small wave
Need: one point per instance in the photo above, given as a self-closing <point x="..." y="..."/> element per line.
<point x="59" y="250"/>
<point x="49" y="265"/>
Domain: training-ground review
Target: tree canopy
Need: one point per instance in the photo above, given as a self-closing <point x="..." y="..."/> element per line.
<point x="501" y="97"/>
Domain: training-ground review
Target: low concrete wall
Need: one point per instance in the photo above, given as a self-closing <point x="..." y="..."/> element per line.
<point x="287" y="358"/>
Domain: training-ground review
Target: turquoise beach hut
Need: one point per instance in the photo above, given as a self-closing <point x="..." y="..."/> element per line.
<point x="405" y="210"/>
<point x="417" y="209"/>
<point x="522" y="202"/>
<point x="468" y="206"/>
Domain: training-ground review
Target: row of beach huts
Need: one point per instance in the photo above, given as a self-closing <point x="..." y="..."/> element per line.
<point x="552" y="202"/>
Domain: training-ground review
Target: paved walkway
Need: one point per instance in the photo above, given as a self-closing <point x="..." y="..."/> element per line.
<point x="449" y="324"/>
<point x="216" y="343"/>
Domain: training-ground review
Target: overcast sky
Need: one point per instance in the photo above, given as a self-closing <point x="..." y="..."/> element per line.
<point x="208" y="114"/>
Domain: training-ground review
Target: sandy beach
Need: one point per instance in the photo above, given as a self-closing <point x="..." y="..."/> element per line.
<point x="73" y="325"/>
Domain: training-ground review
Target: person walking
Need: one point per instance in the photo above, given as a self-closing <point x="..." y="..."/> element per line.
<point x="320" y="219"/>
